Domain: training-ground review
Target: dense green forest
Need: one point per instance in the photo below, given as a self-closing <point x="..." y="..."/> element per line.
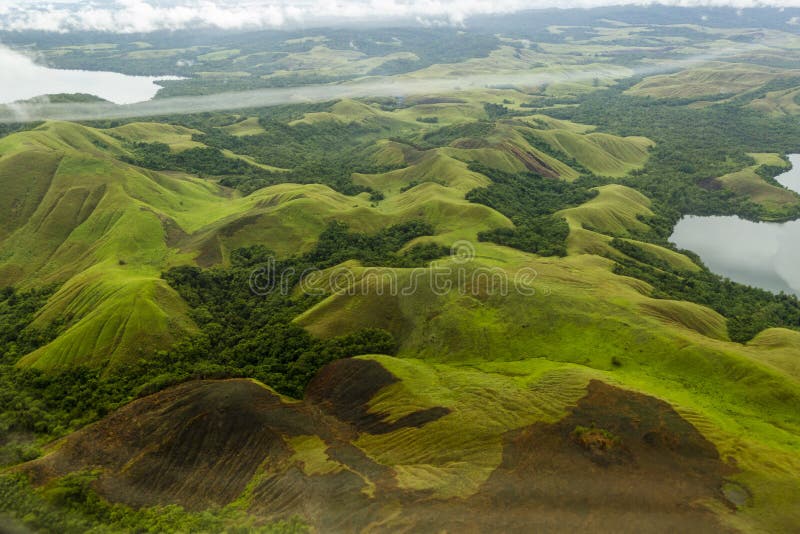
<point x="17" y="311"/>
<point x="202" y="161"/>
<point x="530" y="201"/>
<point x="71" y="506"/>
<point x="692" y="147"/>
<point x="242" y="334"/>
<point x="427" y="170"/>
<point x="749" y="310"/>
<point x="326" y="154"/>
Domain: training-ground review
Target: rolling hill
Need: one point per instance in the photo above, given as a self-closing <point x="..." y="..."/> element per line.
<point x="276" y="458"/>
<point x="520" y="391"/>
<point x="709" y="81"/>
<point x="106" y="228"/>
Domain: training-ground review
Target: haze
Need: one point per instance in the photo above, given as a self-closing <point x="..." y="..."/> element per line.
<point x="131" y="16"/>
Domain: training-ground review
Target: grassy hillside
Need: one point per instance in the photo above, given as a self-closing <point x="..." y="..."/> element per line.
<point x="97" y="223"/>
<point x="777" y="347"/>
<point x="603" y="154"/>
<point x="106" y="229"/>
<point x="650" y="345"/>
<point x="432" y="438"/>
<point x="509" y="375"/>
<point x="712" y="81"/>
<point x="778" y="102"/>
<point x="755" y="183"/>
<point x="615" y="211"/>
<point x="448" y="433"/>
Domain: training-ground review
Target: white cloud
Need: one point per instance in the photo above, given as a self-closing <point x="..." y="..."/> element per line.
<point x="128" y="16"/>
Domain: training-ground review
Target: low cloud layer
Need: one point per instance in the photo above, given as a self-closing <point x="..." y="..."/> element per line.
<point x="131" y="16"/>
<point x="376" y="87"/>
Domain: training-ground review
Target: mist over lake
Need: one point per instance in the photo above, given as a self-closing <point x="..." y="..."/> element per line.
<point x="21" y="79"/>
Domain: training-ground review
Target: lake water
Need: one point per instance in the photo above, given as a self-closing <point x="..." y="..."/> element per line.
<point x="21" y="79"/>
<point x="765" y="255"/>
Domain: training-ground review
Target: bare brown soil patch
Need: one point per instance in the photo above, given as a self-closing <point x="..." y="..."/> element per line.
<point x="531" y="162"/>
<point x="620" y="461"/>
<point x="345" y="387"/>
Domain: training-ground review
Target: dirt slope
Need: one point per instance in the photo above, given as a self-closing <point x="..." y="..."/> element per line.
<point x="618" y="461"/>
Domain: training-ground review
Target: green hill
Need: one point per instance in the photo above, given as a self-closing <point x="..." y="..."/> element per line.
<point x="106" y="229"/>
<point x="603" y="154"/>
<point x="776" y="199"/>
<point x="710" y="81"/>
<point x="646" y="344"/>
<point x="509" y="376"/>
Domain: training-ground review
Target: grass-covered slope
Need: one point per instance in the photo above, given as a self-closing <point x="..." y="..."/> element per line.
<point x="603" y="154"/>
<point x="778" y="347"/>
<point x="439" y="443"/>
<point x="778" y="102"/>
<point x="288" y="218"/>
<point x="776" y="199"/>
<point x="534" y="143"/>
<point x="712" y="81"/>
<point x="106" y="228"/>
<point x="513" y="374"/>
<point x="582" y="316"/>
<point x="113" y="317"/>
<point x="91" y="221"/>
<point x="615" y="210"/>
<point x="80" y="216"/>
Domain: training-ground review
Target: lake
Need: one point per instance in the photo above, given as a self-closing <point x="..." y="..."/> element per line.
<point x="21" y="79"/>
<point x="765" y="255"/>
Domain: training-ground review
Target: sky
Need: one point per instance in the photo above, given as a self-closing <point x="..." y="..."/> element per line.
<point x="132" y="16"/>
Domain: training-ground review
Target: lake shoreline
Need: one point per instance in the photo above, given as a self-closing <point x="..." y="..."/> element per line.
<point x="762" y="254"/>
<point x="33" y="80"/>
